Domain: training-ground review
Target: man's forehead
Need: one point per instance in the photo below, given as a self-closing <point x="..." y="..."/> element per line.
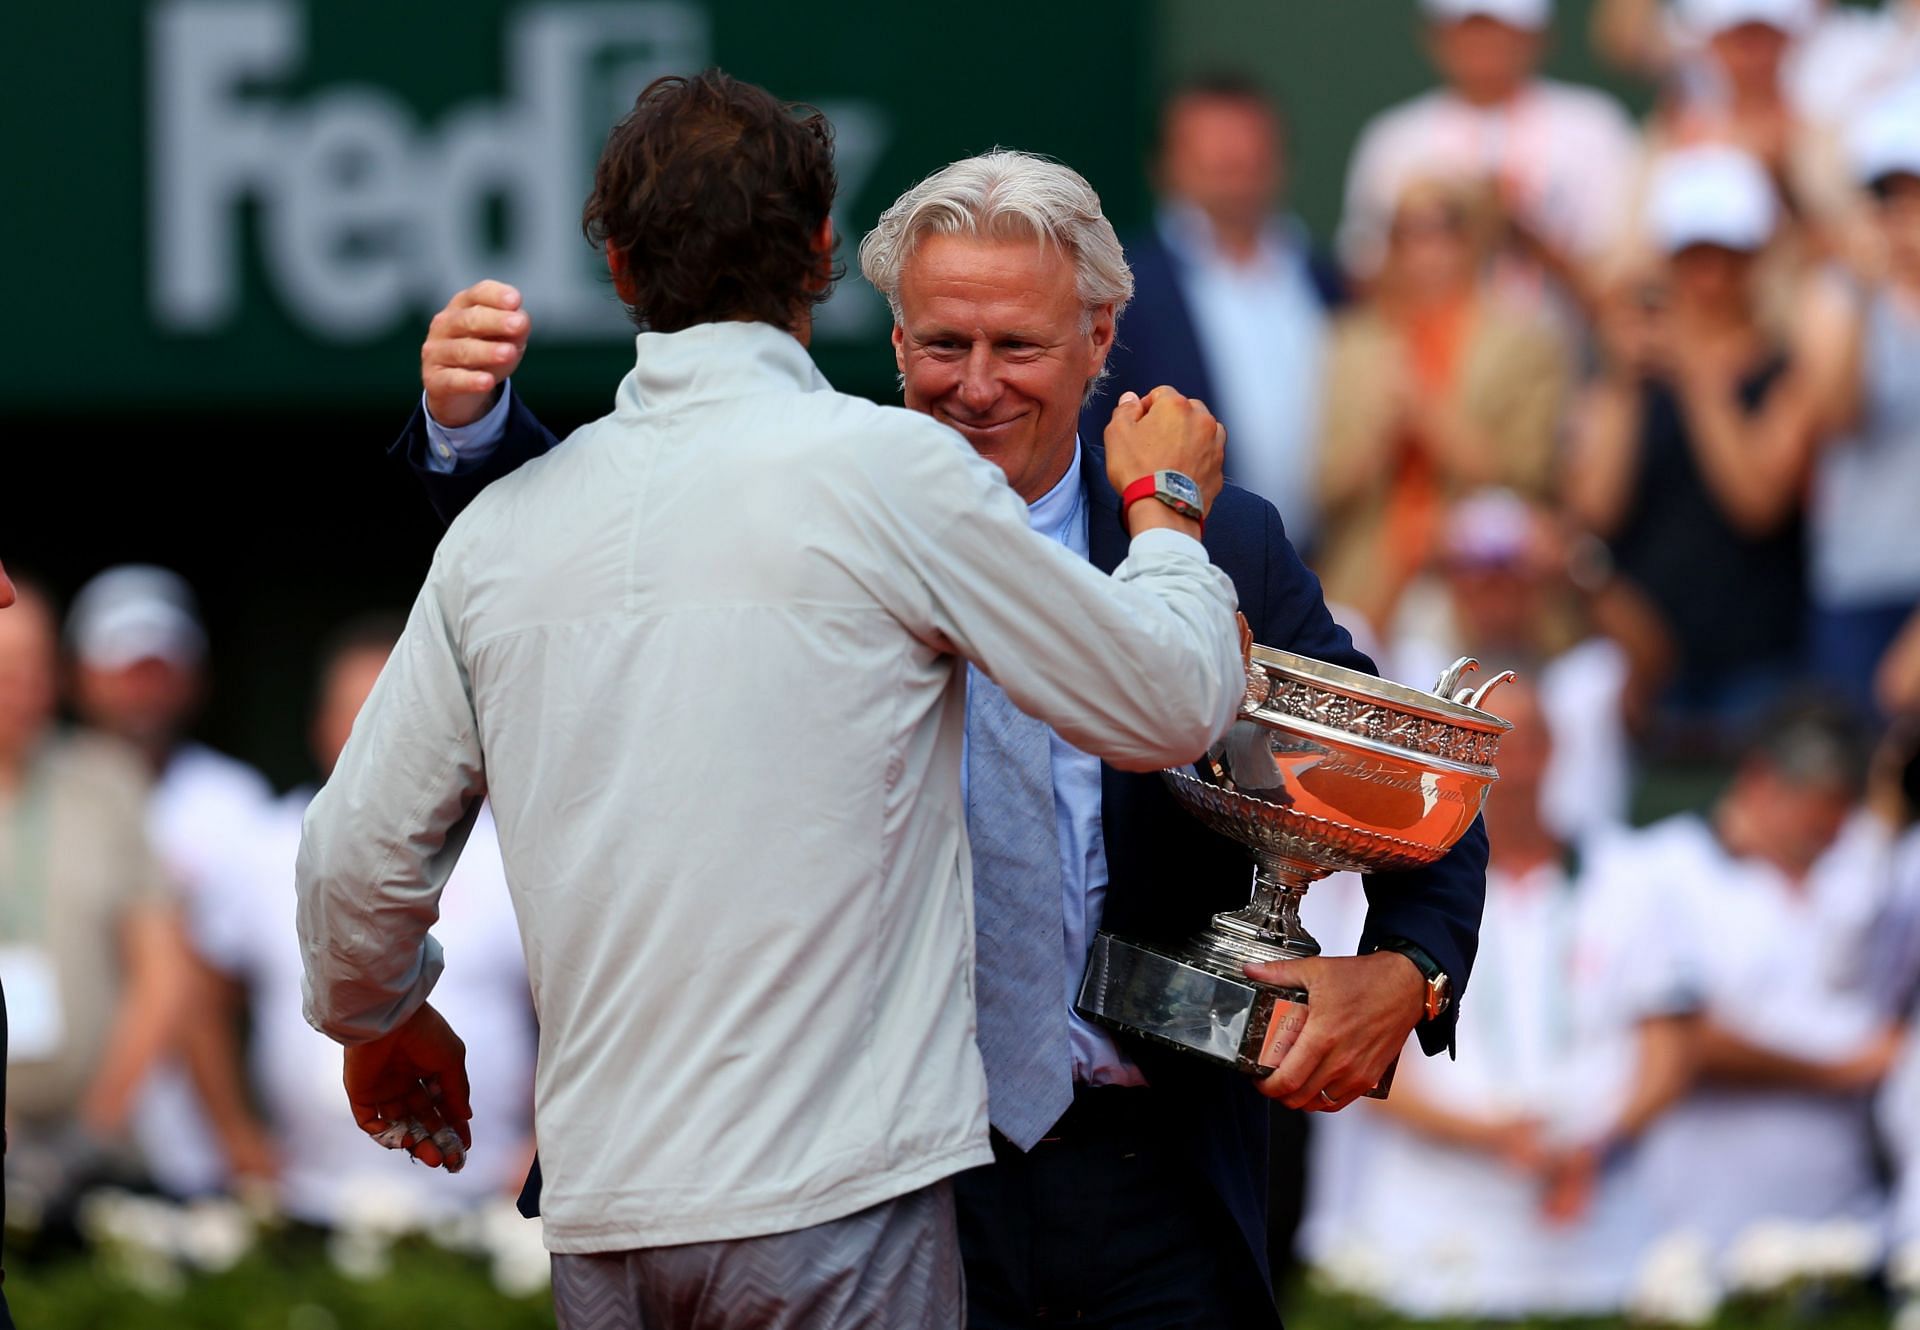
<point x="988" y="283"/>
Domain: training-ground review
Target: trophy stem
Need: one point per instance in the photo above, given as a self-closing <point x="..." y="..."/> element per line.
<point x="1268" y="927"/>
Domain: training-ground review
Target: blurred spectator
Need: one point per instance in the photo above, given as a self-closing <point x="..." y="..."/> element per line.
<point x="1229" y="302"/>
<point x="1846" y="56"/>
<point x="1743" y="100"/>
<point x="324" y="1168"/>
<point x="1896" y="685"/>
<point x="1435" y="386"/>
<point x="1865" y="560"/>
<point x="1511" y="587"/>
<point x="1692" y="451"/>
<point x="140" y="675"/>
<point x="1576" y="1039"/>
<point x="1777" y="914"/>
<point x="1560" y="158"/>
<point x="89" y="947"/>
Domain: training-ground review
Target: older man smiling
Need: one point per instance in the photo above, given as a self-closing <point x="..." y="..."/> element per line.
<point x="1128" y="1186"/>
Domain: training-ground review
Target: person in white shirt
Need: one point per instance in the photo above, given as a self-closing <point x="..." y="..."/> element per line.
<point x="1561" y="157"/>
<point x="141" y="676"/>
<point x="1578" y="1038"/>
<point x="1777" y="914"/>
<point x="324" y="1170"/>
<point x="704" y="659"/>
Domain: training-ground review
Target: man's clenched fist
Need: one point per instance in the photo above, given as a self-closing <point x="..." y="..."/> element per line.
<point x="472" y="347"/>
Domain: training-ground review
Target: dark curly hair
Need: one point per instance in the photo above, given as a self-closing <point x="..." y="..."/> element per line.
<point x="711" y="191"/>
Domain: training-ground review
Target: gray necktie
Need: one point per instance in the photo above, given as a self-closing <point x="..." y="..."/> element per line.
<point x="1020" y="963"/>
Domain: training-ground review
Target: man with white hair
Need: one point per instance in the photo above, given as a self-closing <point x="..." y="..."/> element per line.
<point x="1128" y="1186"/>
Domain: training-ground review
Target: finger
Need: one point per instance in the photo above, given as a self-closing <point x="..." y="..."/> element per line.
<point x="1164" y="393"/>
<point x="460" y="382"/>
<point x="1128" y="408"/>
<point x="497" y="295"/>
<point x="468" y="353"/>
<point x="485" y="321"/>
<point x="1294" y="974"/>
<point x="455" y="1096"/>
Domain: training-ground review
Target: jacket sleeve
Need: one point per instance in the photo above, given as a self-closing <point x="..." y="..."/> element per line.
<point x="451" y="491"/>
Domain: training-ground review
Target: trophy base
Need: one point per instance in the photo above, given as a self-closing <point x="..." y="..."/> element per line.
<point x="1195" y="1000"/>
<point x="1191" y="1000"/>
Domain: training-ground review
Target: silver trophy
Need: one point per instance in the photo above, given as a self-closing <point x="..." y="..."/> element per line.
<point x="1327" y="769"/>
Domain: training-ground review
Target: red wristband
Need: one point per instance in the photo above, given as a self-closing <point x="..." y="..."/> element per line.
<point x="1144" y="488"/>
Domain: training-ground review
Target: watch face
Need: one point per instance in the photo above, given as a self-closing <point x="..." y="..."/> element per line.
<point x="1178" y="490"/>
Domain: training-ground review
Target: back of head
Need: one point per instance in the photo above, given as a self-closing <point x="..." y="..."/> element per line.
<point x="709" y="200"/>
<point x="1003" y="195"/>
<point x="1811" y="743"/>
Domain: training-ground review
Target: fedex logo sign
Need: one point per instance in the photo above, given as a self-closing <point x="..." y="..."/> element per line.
<point x="364" y="217"/>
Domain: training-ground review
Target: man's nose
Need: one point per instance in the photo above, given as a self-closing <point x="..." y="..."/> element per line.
<point x="979" y="387"/>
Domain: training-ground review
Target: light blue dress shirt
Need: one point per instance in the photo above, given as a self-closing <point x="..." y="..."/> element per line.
<point x="1060" y="513"/>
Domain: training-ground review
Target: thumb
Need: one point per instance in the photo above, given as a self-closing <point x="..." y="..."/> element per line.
<point x="1128" y="405"/>
<point x="1285" y="974"/>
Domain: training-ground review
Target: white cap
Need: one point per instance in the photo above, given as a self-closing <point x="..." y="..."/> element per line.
<point x="1710" y="195"/>
<point x="1532" y="15"/>
<point x="1885" y="140"/>
<point x="136" y="612"/>
<point x="1707" y="17"/>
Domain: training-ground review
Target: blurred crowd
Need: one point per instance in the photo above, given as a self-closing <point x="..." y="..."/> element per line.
<point x="1635" y="410"/>
<point x="1632" y="408"/>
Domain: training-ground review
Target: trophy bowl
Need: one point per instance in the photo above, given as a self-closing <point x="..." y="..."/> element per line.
<point x="1325" y="770"/>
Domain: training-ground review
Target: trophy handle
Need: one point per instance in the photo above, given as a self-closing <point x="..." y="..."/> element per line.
<point x="1450" y="677"/>
<point x="1478" y="700"/>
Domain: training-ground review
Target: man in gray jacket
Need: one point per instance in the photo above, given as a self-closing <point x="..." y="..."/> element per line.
<point x="707" y="661"/>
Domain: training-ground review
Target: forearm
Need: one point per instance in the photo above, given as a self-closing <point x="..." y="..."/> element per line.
<point x="1601" y="463"/>
<point x="146" y="1022"/>
<point x="380" y="839"/>
<point x="211" y="1051"/>
<point x="1727" y="1059"/>
<point x="1749" y="463"/>
<point x="1118" y="701"/>
<point x="1424" y="1117"/>
<point x="1664" y="1068"/>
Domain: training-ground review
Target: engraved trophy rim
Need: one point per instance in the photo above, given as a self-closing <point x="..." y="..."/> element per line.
<point x="1373" y="688"/>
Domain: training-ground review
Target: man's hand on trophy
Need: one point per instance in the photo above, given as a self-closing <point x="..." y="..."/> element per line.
<point x="409" y="1090"/>
<point x="473" y="346"/>
<point x="1165" y="431"/>
<point x="1360" y="1010"/>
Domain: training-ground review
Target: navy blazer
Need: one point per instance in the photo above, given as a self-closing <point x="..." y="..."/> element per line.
<point x="1166" y="872"/>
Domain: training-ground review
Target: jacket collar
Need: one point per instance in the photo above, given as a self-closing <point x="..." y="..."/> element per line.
<point x="712" y="362"/>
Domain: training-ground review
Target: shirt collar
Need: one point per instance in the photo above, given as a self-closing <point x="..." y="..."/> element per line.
<point x="1050" y="510"/>
<point x="714" y="361"/>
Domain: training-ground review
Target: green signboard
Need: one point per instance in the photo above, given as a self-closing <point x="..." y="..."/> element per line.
<point x="260" y="202"/>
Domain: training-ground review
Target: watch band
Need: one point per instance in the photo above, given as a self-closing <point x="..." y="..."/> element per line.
<point x="1439" y="983"/>
<point x="1149" y="487"/>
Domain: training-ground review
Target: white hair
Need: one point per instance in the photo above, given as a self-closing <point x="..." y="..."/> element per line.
<point x="1004" y="194"/>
